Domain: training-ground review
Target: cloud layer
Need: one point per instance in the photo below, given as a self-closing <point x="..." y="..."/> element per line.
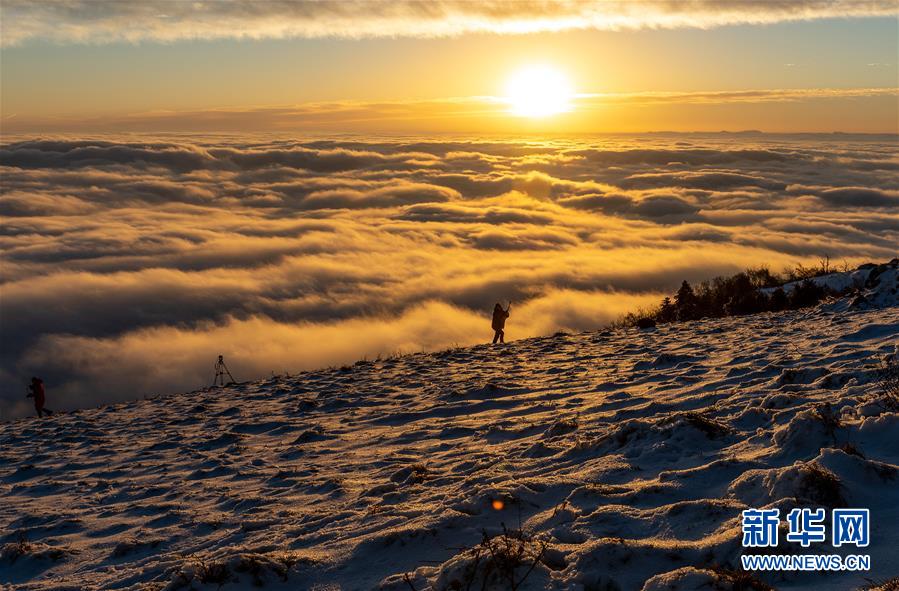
<point x="130" y="262"/>
<point x="102" y="21"/>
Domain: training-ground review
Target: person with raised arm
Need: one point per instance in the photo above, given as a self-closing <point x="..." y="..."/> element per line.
<point x="499" y="322"/>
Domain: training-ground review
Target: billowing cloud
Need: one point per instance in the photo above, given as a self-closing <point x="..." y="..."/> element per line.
<point x="860" y="197"/>
<point x="652" y="206"/>
<point x="101" y="21"/>
<point x="131" y="262"/>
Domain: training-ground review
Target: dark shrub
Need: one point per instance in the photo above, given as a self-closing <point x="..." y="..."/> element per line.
<point x="806" y="293"/>
<point x="778" y="300"/>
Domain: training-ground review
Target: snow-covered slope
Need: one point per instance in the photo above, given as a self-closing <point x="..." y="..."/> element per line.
<point x="625" y="456"/>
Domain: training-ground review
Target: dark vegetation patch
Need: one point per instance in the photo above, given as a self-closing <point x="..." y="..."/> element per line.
<point x="888" y="382"/>
<point x="828" y="418"/>
<point x="736" y="580"/>
<point x="820" y="486"/>
<point x="852" y="449"/>
<point x="711" y="428"/>
<point x="504" y="561"/>
<point x="737" y="295"/>
<point x="220" y="572"/>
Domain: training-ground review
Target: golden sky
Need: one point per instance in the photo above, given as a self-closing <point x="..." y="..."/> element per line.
<point x="445" y="67"/>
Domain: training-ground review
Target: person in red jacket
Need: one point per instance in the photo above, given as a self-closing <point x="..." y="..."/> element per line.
<point x="499" y="322"/>
<point x="36" y="391"/>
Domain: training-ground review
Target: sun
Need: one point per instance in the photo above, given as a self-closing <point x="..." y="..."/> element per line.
<point x="538" y="91"/>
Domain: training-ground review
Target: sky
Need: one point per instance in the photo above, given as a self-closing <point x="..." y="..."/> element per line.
<point x="411" y="67"/>
<point x="296" y="185"/>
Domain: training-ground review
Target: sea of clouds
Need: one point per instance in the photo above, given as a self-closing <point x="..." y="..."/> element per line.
<point x="131" y="262"/>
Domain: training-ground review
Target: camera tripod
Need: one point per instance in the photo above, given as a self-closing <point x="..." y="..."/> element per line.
<point x="221" y="370"/>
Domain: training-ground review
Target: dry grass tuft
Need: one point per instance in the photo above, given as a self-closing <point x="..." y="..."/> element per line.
<point x="821" y="486"/>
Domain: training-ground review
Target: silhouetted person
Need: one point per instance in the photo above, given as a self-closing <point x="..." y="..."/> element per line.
<point x="499" y="322"/>
<point x="36" y="391"/>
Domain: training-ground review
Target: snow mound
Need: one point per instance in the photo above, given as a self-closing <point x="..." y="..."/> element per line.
<point x="806" y="483"/>
<point x="808" y="431"/>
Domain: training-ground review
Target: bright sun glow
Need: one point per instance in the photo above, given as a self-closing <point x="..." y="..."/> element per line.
<point x="538" y="91"/>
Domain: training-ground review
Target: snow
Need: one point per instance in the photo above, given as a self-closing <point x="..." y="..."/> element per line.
<point x="625" y="456"/>
<point x="875" y="285"/>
